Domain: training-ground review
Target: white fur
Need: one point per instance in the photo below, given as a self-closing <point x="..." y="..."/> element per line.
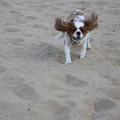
<point x="78" y="24"/>
<point x="85" y="39"/>
<point x="81" y="17"/>
<point x="85" y="45"/>
<point x="59" y="36"/>
<point x="67" y="48"/>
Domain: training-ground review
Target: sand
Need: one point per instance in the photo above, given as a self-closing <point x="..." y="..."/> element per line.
<point x="35" y="84"/>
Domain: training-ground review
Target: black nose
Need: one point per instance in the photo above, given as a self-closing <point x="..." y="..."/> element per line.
<point x="78" y="33"/>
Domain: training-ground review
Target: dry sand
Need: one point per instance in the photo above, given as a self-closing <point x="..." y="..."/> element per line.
<point x="35" y="84"/>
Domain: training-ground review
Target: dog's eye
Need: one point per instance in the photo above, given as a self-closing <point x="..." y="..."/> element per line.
<point x="74" y="30"/>
<point x="82" y="30"/>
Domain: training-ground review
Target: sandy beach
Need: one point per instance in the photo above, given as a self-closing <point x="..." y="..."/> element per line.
<point x="35" y="84"/>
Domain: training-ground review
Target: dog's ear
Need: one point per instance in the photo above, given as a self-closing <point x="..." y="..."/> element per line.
<point x="61" y="25"/>
<point x="91" y="21"/>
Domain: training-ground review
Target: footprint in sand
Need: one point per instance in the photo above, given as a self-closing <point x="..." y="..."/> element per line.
<point x="24" y="91"/>
<point x="60" y="112"/>
<point x="63" y="114"/>
<point x="48" y="51"/>
<point x="75" y="82"/>
<point x="54" y="110"/>
<point x="102" y="106"/>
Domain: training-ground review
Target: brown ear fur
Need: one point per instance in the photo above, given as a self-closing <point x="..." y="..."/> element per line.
<point x="61" y="25"/>
<point x="91" y="21"/>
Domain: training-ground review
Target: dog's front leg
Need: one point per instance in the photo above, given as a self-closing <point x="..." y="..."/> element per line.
<point x="67" y="51"/>
<point x="67" y="54"/>
<point x="84" y="46"/>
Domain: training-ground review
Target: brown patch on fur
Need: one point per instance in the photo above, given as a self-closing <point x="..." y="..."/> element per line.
<point x="61" y="25"/>
<point x="84" y="30"/>
<point x="91" y="21"/>
<point x="71" y="30"/>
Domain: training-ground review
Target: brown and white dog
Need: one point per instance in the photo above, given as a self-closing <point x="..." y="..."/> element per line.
<point x="76" y="30"/>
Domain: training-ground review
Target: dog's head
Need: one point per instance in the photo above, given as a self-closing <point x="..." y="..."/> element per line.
<point x="78" y="27"/>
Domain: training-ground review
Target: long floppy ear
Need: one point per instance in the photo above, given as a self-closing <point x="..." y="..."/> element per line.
<point x="61" y="25"/>
<point x="91" y="21"/>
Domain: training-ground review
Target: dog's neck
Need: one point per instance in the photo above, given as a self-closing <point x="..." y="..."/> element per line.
<point x="73" y="41"/>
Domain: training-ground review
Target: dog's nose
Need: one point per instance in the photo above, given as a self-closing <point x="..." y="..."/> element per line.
<point x="78" y="33"/>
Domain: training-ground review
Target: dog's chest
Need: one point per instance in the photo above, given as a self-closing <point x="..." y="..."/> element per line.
<point x="75" y="44"/>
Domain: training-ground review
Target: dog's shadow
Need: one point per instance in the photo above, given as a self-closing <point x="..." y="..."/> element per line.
<point x="45" y="52"/>
<point x="48" y="52"/>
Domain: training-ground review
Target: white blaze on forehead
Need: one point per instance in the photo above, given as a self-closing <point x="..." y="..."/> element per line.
<point x="78" y="24"/>
<point x="81" y="17"/>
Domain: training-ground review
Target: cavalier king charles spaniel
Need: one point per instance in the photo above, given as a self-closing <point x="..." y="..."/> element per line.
<point x="76" y="31"/>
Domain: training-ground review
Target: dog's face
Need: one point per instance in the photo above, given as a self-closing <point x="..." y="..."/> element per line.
<point x="77" y="28"/>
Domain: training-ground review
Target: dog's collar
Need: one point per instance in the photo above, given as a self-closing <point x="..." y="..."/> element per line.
<point x="73" y="41"/>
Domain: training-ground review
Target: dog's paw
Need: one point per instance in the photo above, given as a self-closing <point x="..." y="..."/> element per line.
<point x="68" y="62"/>
<point x="89" y="47"/>
<point x="81" y="56"/>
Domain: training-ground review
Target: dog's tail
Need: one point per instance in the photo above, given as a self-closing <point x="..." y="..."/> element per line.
<point x="59" y="36"/>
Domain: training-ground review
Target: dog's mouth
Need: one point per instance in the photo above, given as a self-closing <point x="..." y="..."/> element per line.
<point x="77" y="39"/>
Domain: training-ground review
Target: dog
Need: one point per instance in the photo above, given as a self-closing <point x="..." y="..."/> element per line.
<point x="76" y="31"/>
